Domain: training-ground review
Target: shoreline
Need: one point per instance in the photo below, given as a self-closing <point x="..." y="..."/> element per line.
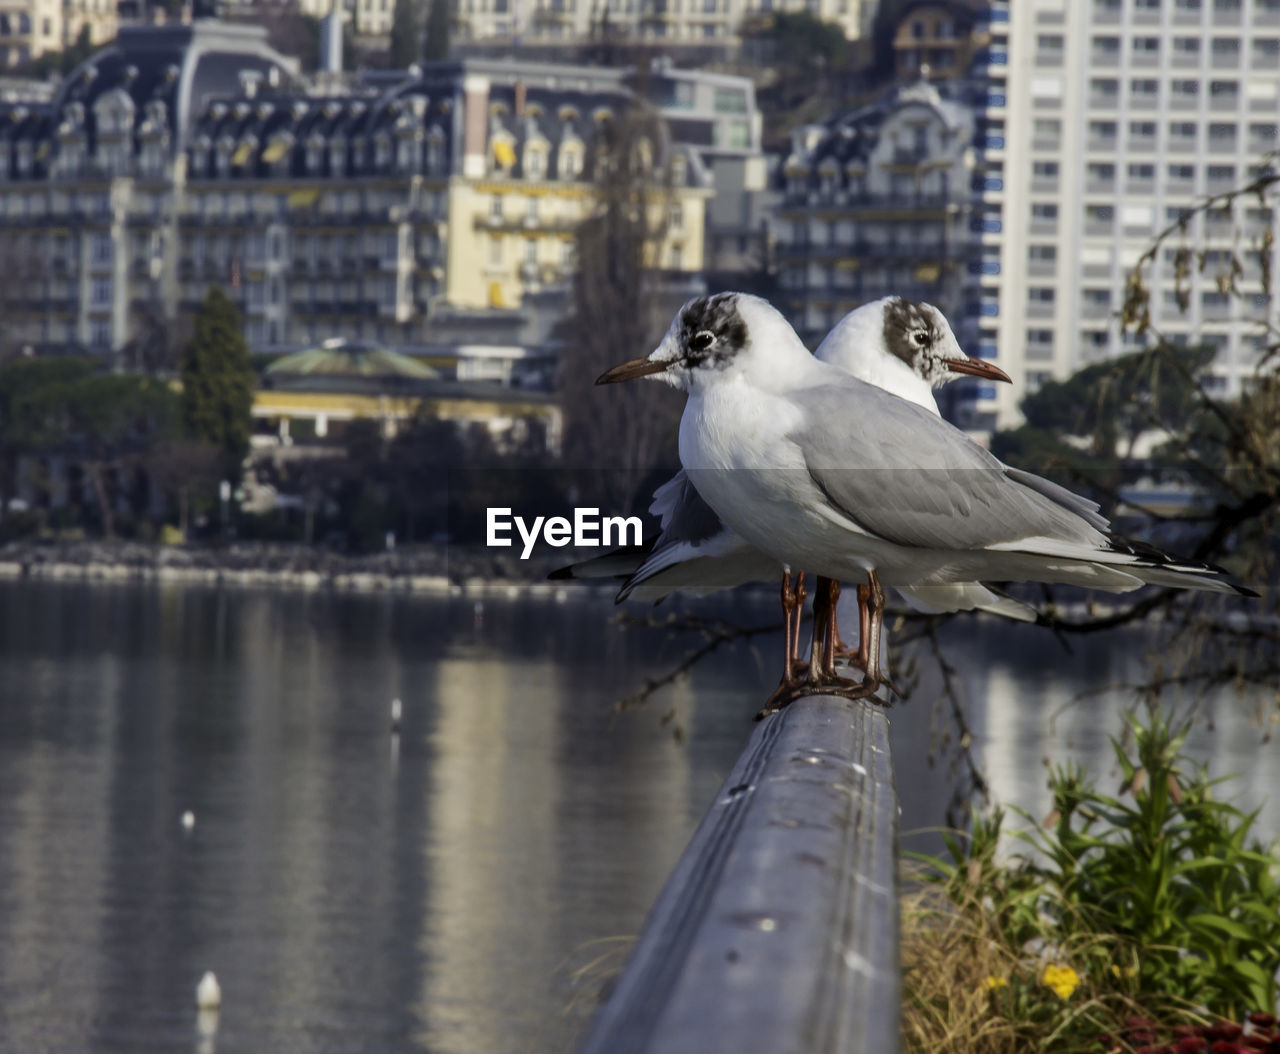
<point x="428" y="570"/>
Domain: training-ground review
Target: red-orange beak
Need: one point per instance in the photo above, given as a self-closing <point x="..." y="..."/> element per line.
<point x="630" y="370"/>
<point x="979" y="368"/>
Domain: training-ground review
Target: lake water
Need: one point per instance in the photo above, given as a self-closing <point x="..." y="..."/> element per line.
<point x="463" y="887"/>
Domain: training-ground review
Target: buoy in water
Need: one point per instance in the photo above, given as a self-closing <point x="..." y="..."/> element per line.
<point x="208" y="992"/>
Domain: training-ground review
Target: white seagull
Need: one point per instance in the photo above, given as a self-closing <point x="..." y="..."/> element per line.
<point x="902" y="346"/>
<point x="823" y="471"/>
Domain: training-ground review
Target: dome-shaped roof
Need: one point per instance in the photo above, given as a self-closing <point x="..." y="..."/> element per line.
<point x="181" y="66"/>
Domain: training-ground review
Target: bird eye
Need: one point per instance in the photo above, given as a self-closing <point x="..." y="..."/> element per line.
<point x="920" y="337"/>
<point x="702" y="340"/>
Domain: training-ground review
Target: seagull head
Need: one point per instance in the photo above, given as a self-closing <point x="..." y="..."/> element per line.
<point x="712" y="336"/>
<point x="919" y="335"/>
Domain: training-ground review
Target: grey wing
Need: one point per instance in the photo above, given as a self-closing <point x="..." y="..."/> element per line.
<point x="907" y="476"/>
<point x="691" y="531"/>
<point x="685" y="517"/>
<point x="1082" y="507"/>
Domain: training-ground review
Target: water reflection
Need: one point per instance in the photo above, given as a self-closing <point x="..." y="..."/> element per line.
<point x="432" y="890"/>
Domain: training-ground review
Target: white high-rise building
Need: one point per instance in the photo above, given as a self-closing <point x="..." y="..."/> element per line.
<point x="1106" y="121"/>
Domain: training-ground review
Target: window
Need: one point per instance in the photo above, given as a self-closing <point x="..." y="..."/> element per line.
<point x="1142" y="129"/>
<point x="1221" y="174"/>
<point x="1224" y="91"/>
<point x="1262" y="137"/>
<point x="1182" y="130"/>
<point x="1046" y="170"/>
<point x="1185" y="90"/>
<point x="102" y="248"/>
<point x="1104" y="89"/>
<point x="535" y="162"/>
<point x="730" y="100"/>
<point x="1144" y="90"/>
<point x="1146" y="46"/>
<point x="1100" y="172"/>
<point x="495" y="252"/>
<point x="1186" y="47"/>
<point x="1227" y="48"/>
<point x="101" y="292"/>
<point x="1266" y="51"/>
<point x="1044" y="210"/>
<point x="1141" y="172"/>
<point x="495" y="209"/>
<point x="1042" y="254"/>
<point x="100" y="333"/>
<point x="1047" y="128"/>
<point x="530" y="251"/>
<point x="1182" y="173"/>
<point x="1040" y="294"/>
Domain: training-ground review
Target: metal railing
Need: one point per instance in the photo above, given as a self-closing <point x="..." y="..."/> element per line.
<point x="778" y="928"/>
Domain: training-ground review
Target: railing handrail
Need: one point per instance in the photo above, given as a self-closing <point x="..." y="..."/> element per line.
<point x="778" y="928"/>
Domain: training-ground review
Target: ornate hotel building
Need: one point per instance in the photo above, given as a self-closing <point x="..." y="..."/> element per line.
<point x="187" y="156"/>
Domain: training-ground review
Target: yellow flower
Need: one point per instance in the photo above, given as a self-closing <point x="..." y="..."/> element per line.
<point x="993" y="982"/>
<point x="1124" y="971"/>
<point x="1062" y="979"/>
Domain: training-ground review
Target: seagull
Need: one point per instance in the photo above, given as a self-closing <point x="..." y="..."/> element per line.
<point x="823" y="471"/>
<point x="903" y="346"/>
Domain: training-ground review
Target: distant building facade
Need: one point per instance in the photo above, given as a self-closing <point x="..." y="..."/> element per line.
<point x="881" y="201"/>
<point x="1114" y="118"/>
<point x="938" y="38"/>
<point x="669" y="22"/>
<point x="29" y="28"/>
<point x="190" y="156"/>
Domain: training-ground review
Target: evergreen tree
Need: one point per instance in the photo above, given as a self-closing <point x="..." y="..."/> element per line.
<point x="437" y="43"/>
<point x="406" y="34"/>
<point x="217" y="380"/>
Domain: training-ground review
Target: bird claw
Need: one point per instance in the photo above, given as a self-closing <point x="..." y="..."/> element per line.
<point x="788" y="692"/>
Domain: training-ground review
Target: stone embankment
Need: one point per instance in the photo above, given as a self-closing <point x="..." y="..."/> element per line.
<point x="435" y="569"/>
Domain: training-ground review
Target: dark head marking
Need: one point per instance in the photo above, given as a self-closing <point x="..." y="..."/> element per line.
<point x="911" y="333"/>
<point x="712" y="330"/>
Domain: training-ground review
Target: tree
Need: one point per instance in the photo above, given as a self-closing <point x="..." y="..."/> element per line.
<point x="112" y="421"/>
<point x="406" y="34"/>
<point x="619" y="312"/>
<point x="185" y="470"/>
<point x="32" y="391"/>
<point x="103" y="423"/>
<point x="436" y="46"/>
<point x="1089" y="426"/>
<point x="217" y="381"/>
